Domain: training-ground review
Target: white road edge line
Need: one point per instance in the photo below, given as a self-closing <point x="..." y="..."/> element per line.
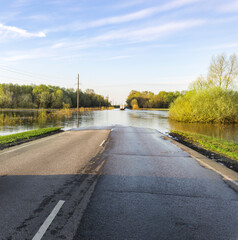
<point x="48" y="221"/>
<point x="222" y="174"/>
<point x="210" y="167"/>
<point x="102" y="143"/>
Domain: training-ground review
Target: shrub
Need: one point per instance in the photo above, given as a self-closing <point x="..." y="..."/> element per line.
<point x="214" y="105"/>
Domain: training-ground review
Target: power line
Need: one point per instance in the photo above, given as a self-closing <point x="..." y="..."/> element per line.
<point x="27" y="74"/>
<point x="30" y="73"/>
<point x="13" y="78"/>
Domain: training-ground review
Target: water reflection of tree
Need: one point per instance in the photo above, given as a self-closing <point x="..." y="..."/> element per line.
<point x="214" y="130"/>
<point x="12" y="119"/>
<point x="41" y="117"/>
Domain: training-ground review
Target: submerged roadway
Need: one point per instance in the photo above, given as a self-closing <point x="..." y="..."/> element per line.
<point x="123" y="183"/>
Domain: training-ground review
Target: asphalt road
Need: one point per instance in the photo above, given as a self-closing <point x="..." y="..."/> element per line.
<point x="141" y="187"/>
<point x="35" y="176"/>
<point x="151" y="189"/>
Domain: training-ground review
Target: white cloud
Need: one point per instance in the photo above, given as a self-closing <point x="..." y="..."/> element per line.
<point x="39" y="17"/>
<point x="221" y="46"/>
<point x="119" y="57"/>
<point x="140" y="14"/>
<point x="145" y="13"/>
<point x="147" y="34"/>
<point x="229" y="7"/>
<point x="9" y="15"/>
<point x="58" y="45"/>
<point x="124" y="18"/>
<point x="14" y="32"/>
<point x="223" y="20"/>
<point x="20" y="3"/>
<point x="128" y="35"/>
<point x="128" y="4"/>
<point x="26" y="55"/>
<point x="19" y="57"/>
<point x="69" y="57"/>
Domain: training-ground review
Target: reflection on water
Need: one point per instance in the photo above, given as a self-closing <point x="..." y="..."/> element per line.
<point x="27" y="120"/>
<point x="229" y="132"/>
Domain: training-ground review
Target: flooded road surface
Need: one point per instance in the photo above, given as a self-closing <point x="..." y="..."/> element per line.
<point x="148" y="119"/>
<point x="151" y="189"/>
<point x="118" y="183"/>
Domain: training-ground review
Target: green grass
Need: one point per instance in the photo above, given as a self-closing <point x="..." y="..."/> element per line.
<point x="26" y="135"/>
<point x="226" y="148"/>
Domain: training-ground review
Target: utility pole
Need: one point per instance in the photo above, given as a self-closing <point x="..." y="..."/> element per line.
<point x="107" y="101"/>
<point x="78" y="103"/>
<point x="78" y="94"/>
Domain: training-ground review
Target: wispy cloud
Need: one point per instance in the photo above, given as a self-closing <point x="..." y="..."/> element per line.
<point x="20" y="57"/>
<point x="58" y="45"/>
<point x="142" y="14"/>
<point x="39" y="17"/>
<point x="229" y="7"/>
<point x="221" y="46"/>
<point x="36" y="53"/>
<point x="69" y="57"/>
<point x="9" y="15"/>
<point x="130" y="35"/>
<point x="57" y="2"/>
<point x="128" y="4"/>
<point x="14" y="32"/>
<point x="149" y="33"/>
<point x="119" y="57"/>
<point x="123" y="18"/>
<point x="20" y="3"/>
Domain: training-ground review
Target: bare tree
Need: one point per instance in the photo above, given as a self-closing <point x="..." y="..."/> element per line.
<point x="223" y="71"/>
<point x="232" y="74"/>
<point x="199" y="84"/>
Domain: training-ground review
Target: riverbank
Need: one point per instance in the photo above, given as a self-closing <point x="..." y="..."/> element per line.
<point x="154" y="109"/>
<point x="19" y="138"/>
<point x="54" y="109"/>
<point x="223" y="151"/>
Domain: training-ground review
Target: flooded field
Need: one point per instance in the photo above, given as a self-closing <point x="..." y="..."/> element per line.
<point x="18" y="121"/>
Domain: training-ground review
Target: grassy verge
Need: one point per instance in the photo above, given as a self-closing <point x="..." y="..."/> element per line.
<point x="13" y="138"/>
<point x="226" y="148"/>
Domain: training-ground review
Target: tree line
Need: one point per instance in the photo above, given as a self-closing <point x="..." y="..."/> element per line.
<point x="43" y="96"/>
<point x="147" y="99"/>
<point x="211" y="98"/>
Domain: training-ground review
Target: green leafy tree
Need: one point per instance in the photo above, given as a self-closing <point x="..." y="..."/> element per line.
<point x="134" y="104"/>
<point x="148" y="99"/>
<point x="42" y="96"/>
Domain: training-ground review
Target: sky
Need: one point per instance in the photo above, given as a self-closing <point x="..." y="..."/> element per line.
<point x="115" y="46"/>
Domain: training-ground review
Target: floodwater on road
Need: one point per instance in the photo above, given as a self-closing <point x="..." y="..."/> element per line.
<point x="138" y="118"/>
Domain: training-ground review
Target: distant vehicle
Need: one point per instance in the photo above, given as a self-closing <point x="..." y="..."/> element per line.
<point x="122" y="107"/>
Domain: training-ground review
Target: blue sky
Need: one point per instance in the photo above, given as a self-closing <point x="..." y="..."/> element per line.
<point x="116" y="46"/>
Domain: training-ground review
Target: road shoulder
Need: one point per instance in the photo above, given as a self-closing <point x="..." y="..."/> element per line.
<point x="229" y="176"/>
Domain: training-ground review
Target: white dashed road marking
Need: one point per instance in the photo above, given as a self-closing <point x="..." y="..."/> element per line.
<point x="102" y="143"/>
<point x="48" y="221"/>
